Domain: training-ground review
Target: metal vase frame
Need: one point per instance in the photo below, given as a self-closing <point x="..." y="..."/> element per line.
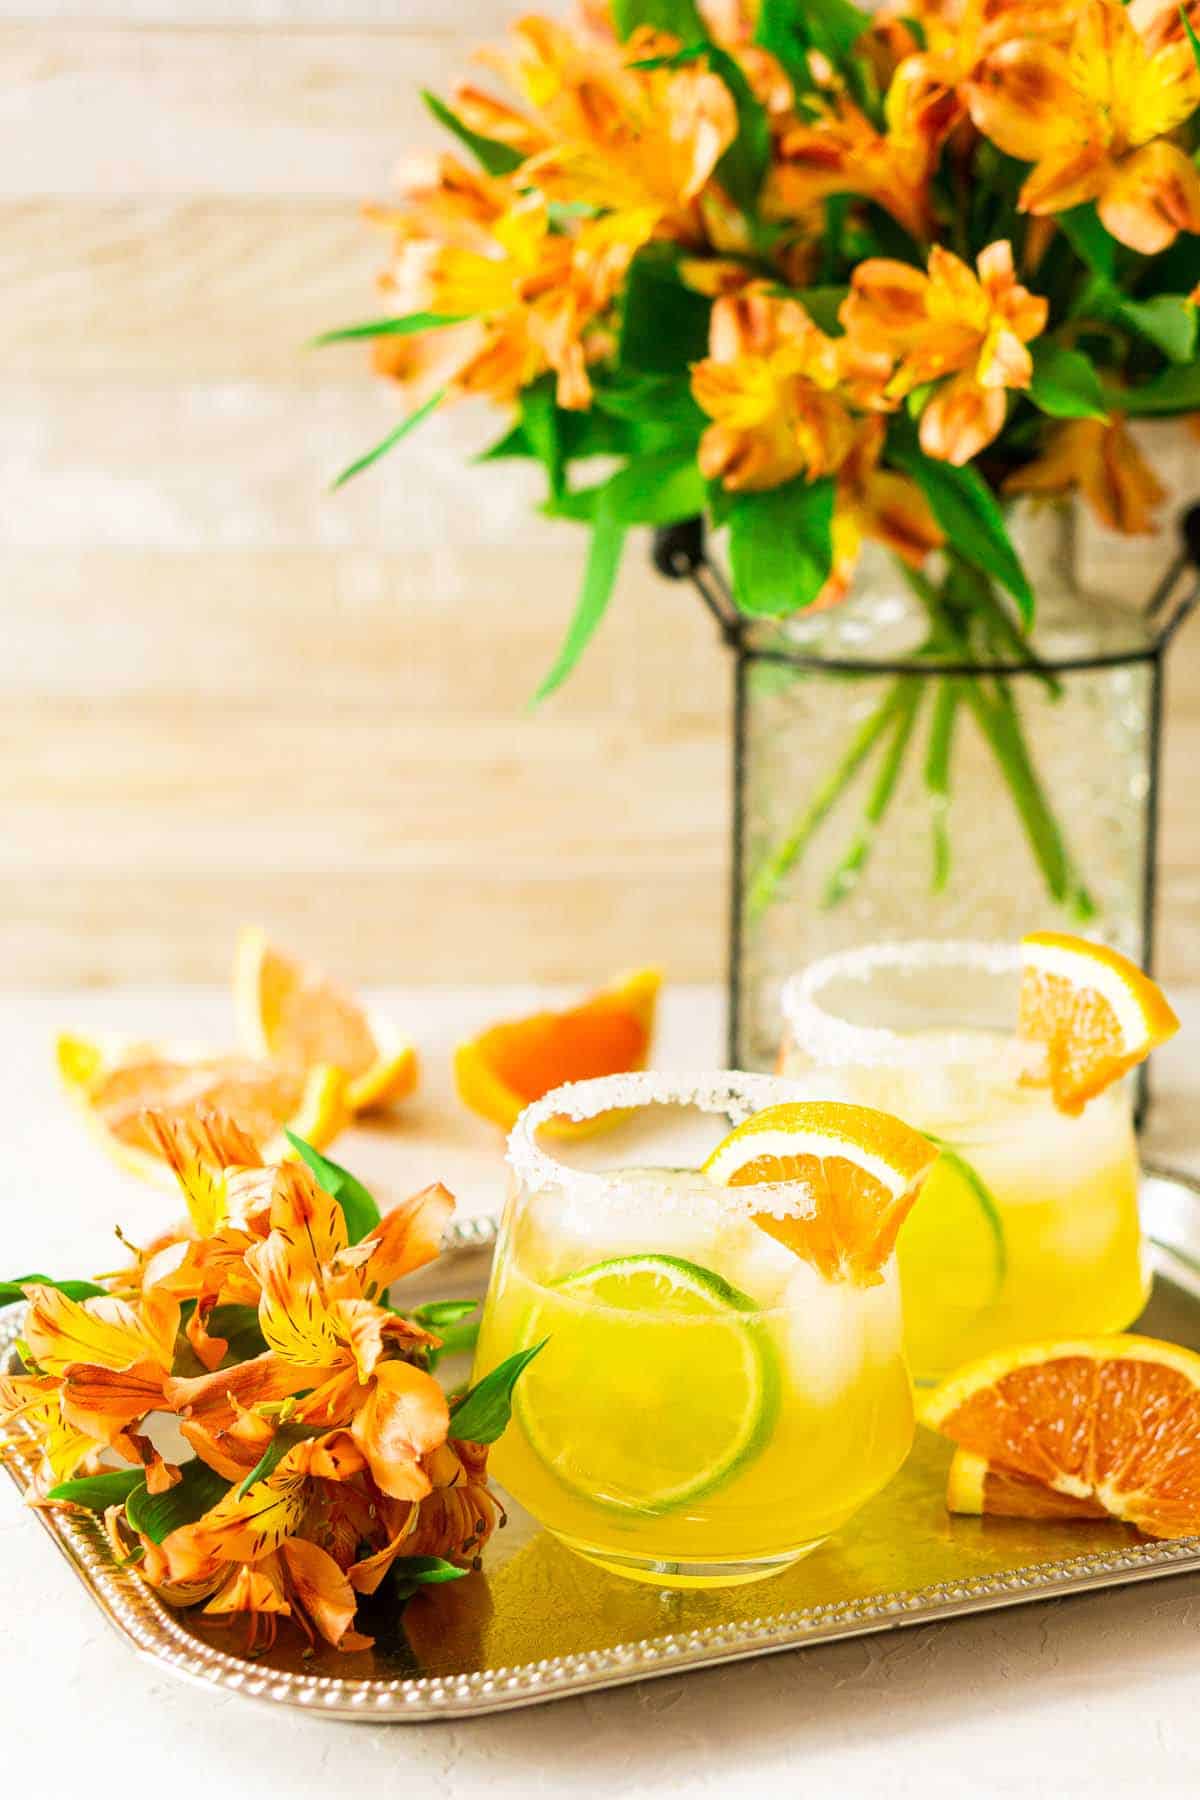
<point x="681" y="554"/>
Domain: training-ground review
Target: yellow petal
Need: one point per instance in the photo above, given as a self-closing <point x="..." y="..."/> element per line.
<point x="293" y="1313"/>
<point x="241" y="1528"/>
<point x="101" y="1330"/>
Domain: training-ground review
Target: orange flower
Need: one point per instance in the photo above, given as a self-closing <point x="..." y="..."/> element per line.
<point x="839" y="151"/>
<point x="771" y="386"/>
<point x="879" y="504"/>
<point x="481" y="248"/>
<point x="1094" y="118"/>
<point x="607" y="134"/>
<point x="1100" y="460"/>
<point x="967" y="331"/>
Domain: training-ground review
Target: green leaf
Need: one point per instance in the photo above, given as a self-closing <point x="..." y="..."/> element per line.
<point x="822" y="304"/>
<point x="743" y="165"/>
<point x="491" y="155"/>
<point x="1090" y="241"/>
<point x="514" y="443"/>
<point x="97" y="1492"/>
<point x="664" y="325"/>
<point x="1192" y="39"/>
<point x="376" y="328"/>
<point x="540" y="422"/>
<point x="391" y="440"/>
<point x="240" y="1328"/>
<point x="781" y="546"/>
<point x="1174" y="391"/>
<point x="436" y="1313"/>
<point x="678" y="17"/>
<point x="834" y="26"/>
<point x="480" y="1415"/>
<point x="13" y="1291"/>
<point x="659" y="489"/>
<point x="1065" y="383"/>
<point x="599" y="579"/>
<point x="425" y="1570"/>
<point x="967" y="511"/>
<point x="358" y="1206"/>
<point x="1168" y="321"/>
<point x="157" y="1515"/>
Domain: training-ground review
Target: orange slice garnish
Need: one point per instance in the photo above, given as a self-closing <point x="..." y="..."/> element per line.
<point x="1111" y="1421"/>
<point x="290" y="1012"/>
<point x="511" y="1064"/>
<point x="115" y="1080"/>
<point x="862" y="1170"/>
<point x="1096" y="1013"/>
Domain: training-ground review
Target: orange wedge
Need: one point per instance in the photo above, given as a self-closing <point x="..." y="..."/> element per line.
<point x="1113" y="1422"/>
<point x="1095" y="1011"/>
<point x="511" y="1064"/>
<point x="862" y="1170"/>
<point x="114" y="1081"/>
<point x="291" y="1013"/>
<point x="977" y="1486"/>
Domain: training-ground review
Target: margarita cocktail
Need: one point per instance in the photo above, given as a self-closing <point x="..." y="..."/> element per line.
<point x="1028" y="1226"/>
<point x="714" y="1395"/>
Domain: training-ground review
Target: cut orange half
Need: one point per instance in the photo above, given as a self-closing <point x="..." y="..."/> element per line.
<point x="290" y="1012"/>
<point x="862" y="1171"/>
<point x="1113" y="1421"/>
<point x="1096" y="1013"/>
<point x="115" y="1080"/>
<point x="512" y="1064"/>
<point x="976" y="1486"/>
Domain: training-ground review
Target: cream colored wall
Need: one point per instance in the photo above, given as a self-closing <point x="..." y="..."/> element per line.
<point x="228" y="694"/>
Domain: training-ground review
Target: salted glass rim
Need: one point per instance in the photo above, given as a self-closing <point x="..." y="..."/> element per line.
<point x="837" y="1042"/>
<point x="736" y="1093"/>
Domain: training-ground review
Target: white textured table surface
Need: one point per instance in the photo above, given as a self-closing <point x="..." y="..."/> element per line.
<point x="1093" y="1696"/>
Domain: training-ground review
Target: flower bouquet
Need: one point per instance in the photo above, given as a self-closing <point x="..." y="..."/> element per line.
<point x="823" y="276"/>
<point x="261" y="1431"/>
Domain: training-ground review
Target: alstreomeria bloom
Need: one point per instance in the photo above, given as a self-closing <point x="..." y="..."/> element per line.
<point x="771" y="384"/>
<point x="328" y="1454"/>
<point x="1098" y="459"/>
<point x="968" y="331"/>
<point x="1095" y="118"/>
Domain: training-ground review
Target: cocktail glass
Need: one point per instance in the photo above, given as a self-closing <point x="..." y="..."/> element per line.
<point x="1027" y="1227"/>
<point x="707" y="1407"/>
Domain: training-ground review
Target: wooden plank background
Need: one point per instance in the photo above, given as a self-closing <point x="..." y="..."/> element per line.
<point x="227" y="693"/>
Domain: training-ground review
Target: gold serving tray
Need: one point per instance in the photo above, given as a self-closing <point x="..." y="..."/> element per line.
<point x="541" y="1623"/>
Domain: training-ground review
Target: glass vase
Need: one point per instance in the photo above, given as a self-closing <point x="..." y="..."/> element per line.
<point x="910" y="765"/>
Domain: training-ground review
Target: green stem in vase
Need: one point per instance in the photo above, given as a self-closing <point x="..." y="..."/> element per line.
<point x="937" y="776"/>
<point x="767" y="879"/>
<point x="848" y="872"/>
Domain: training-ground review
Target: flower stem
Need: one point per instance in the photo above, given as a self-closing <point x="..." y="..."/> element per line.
<point x="937" y="776"/>
<point x="847" y="873"/>
<point x="767" y="879"/>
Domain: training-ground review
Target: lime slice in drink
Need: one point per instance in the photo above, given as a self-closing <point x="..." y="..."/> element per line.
<point x="953" y="1258"/>
<point x="655" y="1385"/>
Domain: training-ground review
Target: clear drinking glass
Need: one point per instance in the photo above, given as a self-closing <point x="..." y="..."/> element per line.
<point x="1027" y="1227"/>
<point x="707" y="1407"/>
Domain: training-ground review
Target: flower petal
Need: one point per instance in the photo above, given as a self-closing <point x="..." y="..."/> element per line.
<point x="105" y="1402"/>
<point x="961" y="419"/>
<point x="1151" y="197"/>
<point x="406" y="1238"/>
<point x="321" y="1590"/>
<point x="101" y="1330"/>
<point x="405" y="1415"/>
